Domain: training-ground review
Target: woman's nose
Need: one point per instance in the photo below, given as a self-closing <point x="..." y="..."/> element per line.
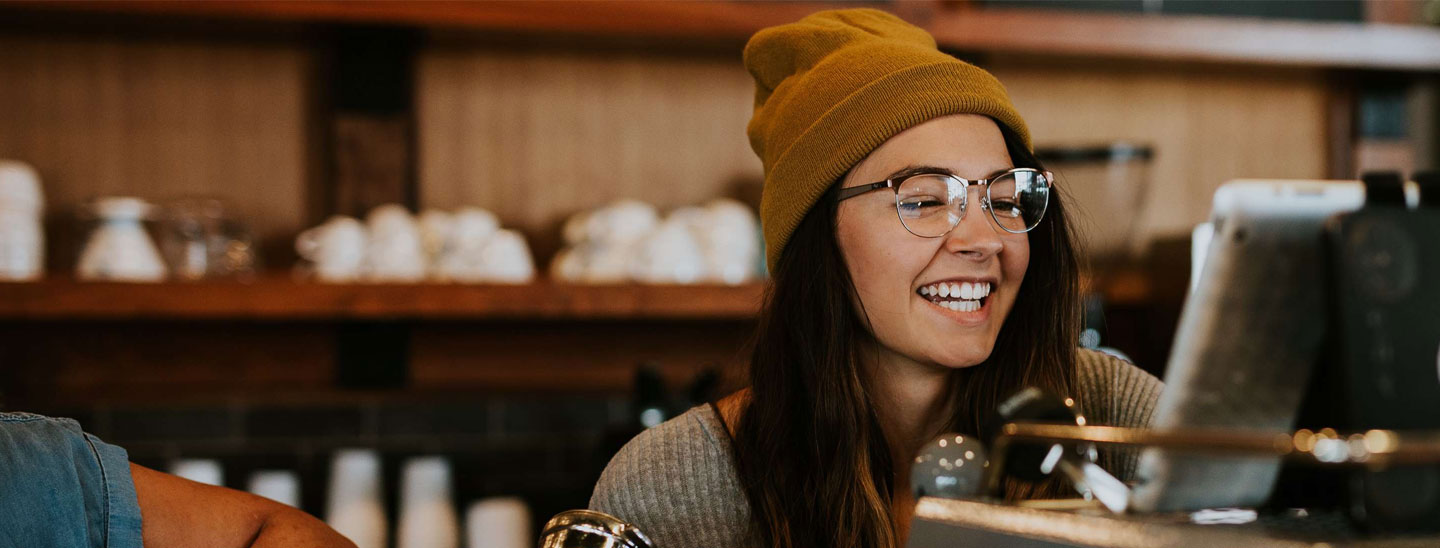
<point x="975" y="236"/>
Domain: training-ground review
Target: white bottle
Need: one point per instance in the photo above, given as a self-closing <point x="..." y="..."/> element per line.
<point x="427" y="515"/>
<point x="281" y="486"/>
<point x="206" y="471"/>
<point x="499" y="522"/>
<point x="22" y="238"/>
<point x="353" y="506"/>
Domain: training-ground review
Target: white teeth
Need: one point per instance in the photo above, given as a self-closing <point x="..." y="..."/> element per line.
<point x="971" y="293"/>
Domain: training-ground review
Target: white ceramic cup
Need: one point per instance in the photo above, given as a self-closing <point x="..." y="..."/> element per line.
<point x="337" y="249"/>
<point x="464" y="257"/>
<point x="119" y="249"/>
<point x="435" y="226"/>
<point x="396" y="251"/>
<point x="506" y="259"/>
<point x="20" y="190"/>
<point x="206" y="471"/>
<point x="22" y="247"/>
<point x="498" y="522"/>
<point x="282" y="486"/>
<point x="353" y="505"/>
<point x="427" y="515"/>
<point x="670" y="255"/>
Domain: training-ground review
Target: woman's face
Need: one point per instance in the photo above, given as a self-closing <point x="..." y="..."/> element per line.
<point x="897" y="274"/>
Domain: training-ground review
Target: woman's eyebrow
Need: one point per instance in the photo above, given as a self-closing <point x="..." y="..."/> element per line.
<point x="918" y="169"/>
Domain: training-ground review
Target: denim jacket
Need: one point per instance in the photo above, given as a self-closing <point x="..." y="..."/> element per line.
<point x="63" y="488"/>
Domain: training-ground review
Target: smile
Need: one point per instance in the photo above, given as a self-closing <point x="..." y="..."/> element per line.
<point x="957" y="296"/>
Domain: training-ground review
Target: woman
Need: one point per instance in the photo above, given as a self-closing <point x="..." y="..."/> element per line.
<point x="922" y="270"/>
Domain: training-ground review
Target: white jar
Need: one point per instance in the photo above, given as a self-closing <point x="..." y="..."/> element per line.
<point x="22" y="236"/>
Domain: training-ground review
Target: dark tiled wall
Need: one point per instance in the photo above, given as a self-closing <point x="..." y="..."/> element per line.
<point x="546" y="448"/>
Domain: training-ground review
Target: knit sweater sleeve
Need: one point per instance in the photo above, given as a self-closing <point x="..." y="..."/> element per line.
<point x="1114" y="392"/>
<point x="677" y="482"/>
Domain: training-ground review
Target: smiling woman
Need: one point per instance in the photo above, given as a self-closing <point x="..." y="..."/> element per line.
<point x="923" y="268"/>
<point x="891" y="263"/>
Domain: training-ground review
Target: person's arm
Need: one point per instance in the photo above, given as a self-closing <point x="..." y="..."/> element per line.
<point x="177" y="512"/>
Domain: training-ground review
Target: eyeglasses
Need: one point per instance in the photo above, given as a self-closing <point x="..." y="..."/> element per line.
<point x="930" y="204"/>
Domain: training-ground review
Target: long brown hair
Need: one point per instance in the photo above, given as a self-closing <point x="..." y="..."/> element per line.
<point x="810" y="453"/>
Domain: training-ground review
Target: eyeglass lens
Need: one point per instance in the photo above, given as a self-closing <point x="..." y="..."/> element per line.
<point x="931" y="205"/>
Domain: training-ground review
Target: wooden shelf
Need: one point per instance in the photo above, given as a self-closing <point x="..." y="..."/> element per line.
<point x="278" y="298"/>
<point x="1039" y="32"/>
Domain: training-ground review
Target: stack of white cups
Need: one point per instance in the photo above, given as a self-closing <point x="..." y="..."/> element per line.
<point x="281" y="486"/>
<point x="427" y="515"/>
<point x="22" y="239"/>
<point x="353" y="504"/>
<point x="500" y="522"/>
<point x="206" y="471"/>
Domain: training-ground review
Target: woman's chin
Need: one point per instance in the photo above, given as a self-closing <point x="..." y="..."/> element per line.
<point x="963" y="359"/>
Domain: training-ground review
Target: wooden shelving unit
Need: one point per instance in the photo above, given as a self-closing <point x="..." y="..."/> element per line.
<point x="282" y="299"/>
<point x="344" y="155"/>
<point x="1052" y="33"/>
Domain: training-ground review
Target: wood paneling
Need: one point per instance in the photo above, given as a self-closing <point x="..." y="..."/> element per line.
<point x="44" y="363"/>
<point x="574" y="357"/>
<point x="49" y="364"/>
<point x="160" y="119"/>
<point x="1207" y="125"/>
<point x="539" y="135"/>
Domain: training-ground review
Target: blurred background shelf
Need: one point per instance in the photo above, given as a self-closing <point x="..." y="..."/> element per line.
<point x="963" y="26"/>
<point x="280" y="298"/>
<point x="293" y="112"/>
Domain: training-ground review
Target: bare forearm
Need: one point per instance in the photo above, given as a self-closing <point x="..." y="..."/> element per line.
<point x="179" y="513"/>
<point x="293" y="528"/>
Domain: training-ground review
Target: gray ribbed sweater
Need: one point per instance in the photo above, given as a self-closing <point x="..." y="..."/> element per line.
<point x="677" y="481"/>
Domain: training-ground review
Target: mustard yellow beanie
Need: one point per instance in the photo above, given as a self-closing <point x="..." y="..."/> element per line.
<point x="832" y="87"/>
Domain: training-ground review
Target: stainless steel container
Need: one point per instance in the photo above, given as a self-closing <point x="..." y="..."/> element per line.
<point x="591" y="529"/>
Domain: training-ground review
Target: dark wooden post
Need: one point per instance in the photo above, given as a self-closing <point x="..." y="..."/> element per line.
<point x="367" y="128"/>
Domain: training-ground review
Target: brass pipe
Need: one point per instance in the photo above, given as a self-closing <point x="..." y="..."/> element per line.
<point x="1372" y="448"/>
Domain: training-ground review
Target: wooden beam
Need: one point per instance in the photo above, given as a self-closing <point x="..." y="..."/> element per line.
<point x="1340" y="112"/>
<point x="1046" y="32"/>
<point x="369" y="119"/>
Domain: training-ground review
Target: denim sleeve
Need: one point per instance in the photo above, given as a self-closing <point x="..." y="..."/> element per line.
<point x="63" y="488"/>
